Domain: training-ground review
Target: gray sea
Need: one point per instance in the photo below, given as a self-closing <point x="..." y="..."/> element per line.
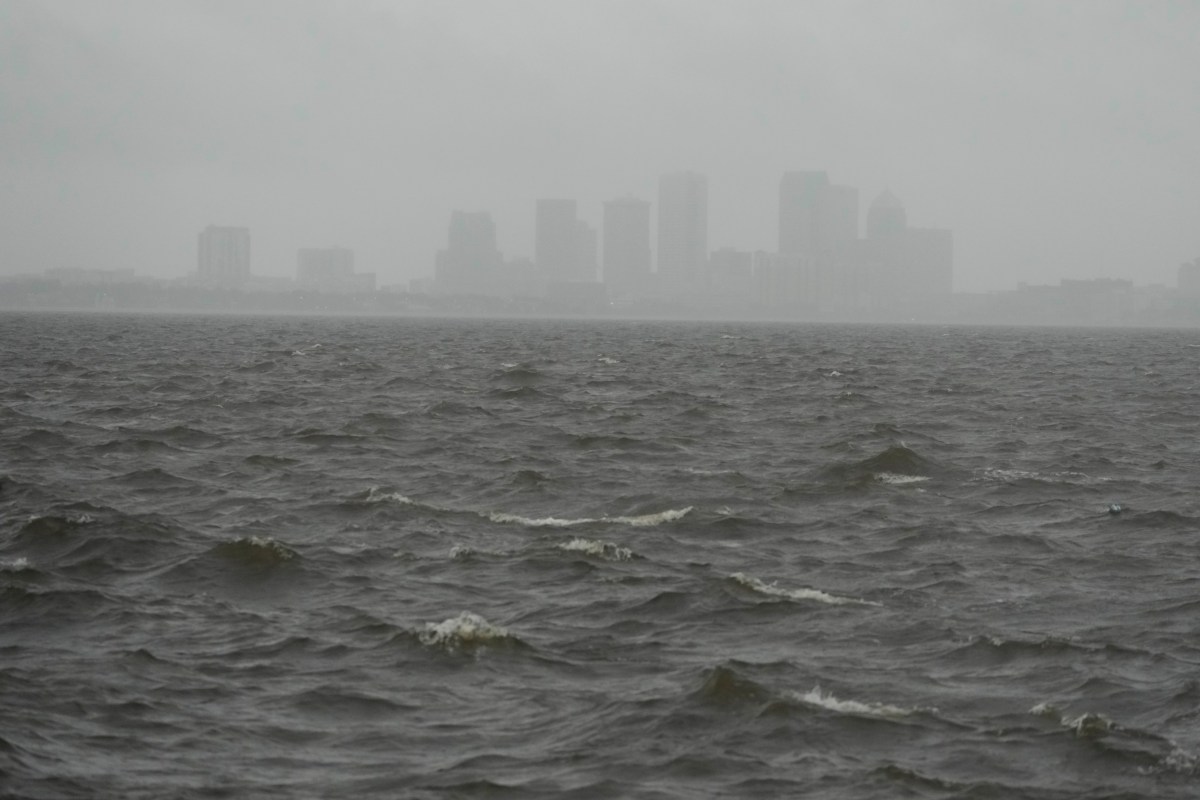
<point x="313" y="557"/>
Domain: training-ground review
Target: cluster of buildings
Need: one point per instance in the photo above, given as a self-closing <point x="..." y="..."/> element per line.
<point x="820" y="267"/>
<point x="223" y="261"/>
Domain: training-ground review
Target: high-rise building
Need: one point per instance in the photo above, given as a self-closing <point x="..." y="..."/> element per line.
<point x="223" y="255"/>
<point x="815" y="216"/>
<point x="800" y="211"/>
<point x="556" y="247"/>
<point x="627" y="246"/>
<point x="886" y="217"/>
<point x="682" y="230"/>
<point x="471" y="262"/>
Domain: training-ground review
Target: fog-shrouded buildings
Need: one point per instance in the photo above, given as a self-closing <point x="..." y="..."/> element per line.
<point x="223" y="256"/>
<point x="823" y="268"/>
<point x="331" y="269"/>
<point x="682" y="232"/>
<point x="564" y="247"/>
<point x="627" y="256"/>
<point x="471" y="262"/>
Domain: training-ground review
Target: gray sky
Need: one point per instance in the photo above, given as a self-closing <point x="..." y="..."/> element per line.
<point x="1057" y="140"/>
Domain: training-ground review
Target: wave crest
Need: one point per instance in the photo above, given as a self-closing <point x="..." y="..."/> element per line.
<point x="826" y="700"/>
<point x="468" y="629"/>
<point x="641" y="521"/>
<point x="256" y="551"/>
<point x="770" y="589"/>
<point x="598" y="549"/>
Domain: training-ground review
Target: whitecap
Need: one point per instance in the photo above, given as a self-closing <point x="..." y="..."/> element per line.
<point x="466" y="629"/>
<point x="826" y="700"/>
<point x="16" y="565"/>
<point x="376" y="496"/>
<point x="642" y="521"/>
<point x="895" y="479"/>
<point x="593" y="547"/>
<point x="461" y="551"/>
<point x="1178" y="761"/>
<point x="278" y="549"/>
<point x="770" y="589"/>
<point x="1086" y="724"/>
<point x="607" y="360"/>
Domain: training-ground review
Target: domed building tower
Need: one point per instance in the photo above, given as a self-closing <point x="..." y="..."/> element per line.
<point x="886" y="218"/>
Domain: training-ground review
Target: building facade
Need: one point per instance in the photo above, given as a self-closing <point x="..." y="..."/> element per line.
<point x="223" y="256"/>
<point x="682" y="232"/>
<point x="471" y="262"/>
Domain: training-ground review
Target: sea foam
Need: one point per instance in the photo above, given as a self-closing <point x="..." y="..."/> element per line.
<point x="770" y="589"/>
<point x="642" y="521"/>
<point x="599" y="549"/>
<point x="826" y="700"/>
<point x="465" y="630"/>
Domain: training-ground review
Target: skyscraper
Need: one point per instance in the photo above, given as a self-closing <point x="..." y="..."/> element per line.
<point x="682" y="230"/>
<point x="471" y="262"/>
<point x="223" y="255"/>
<point x="800" y="201"/>
<point x="815" y="216"/>
<point x="627" y="246"/>
<point x="886" y="217"/>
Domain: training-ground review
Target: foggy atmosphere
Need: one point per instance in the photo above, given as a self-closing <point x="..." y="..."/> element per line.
<point x="594" y="399"/>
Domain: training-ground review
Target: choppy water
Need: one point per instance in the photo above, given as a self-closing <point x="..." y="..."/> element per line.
<point x="284" y="557"/>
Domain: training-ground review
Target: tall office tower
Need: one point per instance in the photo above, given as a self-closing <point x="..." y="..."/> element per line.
<point x="886" y="217"/>
<point x="682" y="230"/>
<point x="471" y="262"/>
<point x="627" y="246"/>
<point x="556" y="240"/>
<point x="801" y="197"/>
<point x="223" y="256"/>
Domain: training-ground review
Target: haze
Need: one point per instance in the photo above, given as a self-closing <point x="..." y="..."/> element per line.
<point x="1056" y="140"/>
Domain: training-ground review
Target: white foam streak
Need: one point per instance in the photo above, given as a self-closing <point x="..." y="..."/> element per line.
<point x="467" y="628"/>
<point x="895" y="479"/>
<point x="593" y="547"/>
<point x="826" y="700"/>
<point x="771" y="590"/>
<point x="376" y="496"/>
<point x="643" y="521"/>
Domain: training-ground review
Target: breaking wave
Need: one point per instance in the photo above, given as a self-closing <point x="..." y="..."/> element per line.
<point x="771" y="590"/>
<point x="466" y="630"/>
<point x="826" y="700"/>
<point x="592" y="547"/>
<point x="641" y="521"/>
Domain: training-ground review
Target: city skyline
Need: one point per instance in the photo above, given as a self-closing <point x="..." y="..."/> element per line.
<point x="1053" y="139"/>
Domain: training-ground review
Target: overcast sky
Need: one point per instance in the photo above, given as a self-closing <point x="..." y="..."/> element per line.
<point x="1057" y="140"/>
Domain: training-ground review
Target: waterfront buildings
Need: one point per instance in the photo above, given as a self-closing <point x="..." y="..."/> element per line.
<point x="682" y="233"/>
<point x="471" y="262"/>
<point x="223" y="256"/>
<point x="331" y="269"/>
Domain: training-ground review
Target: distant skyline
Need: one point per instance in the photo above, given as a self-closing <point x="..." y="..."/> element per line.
<point x="1056" y="140"/>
